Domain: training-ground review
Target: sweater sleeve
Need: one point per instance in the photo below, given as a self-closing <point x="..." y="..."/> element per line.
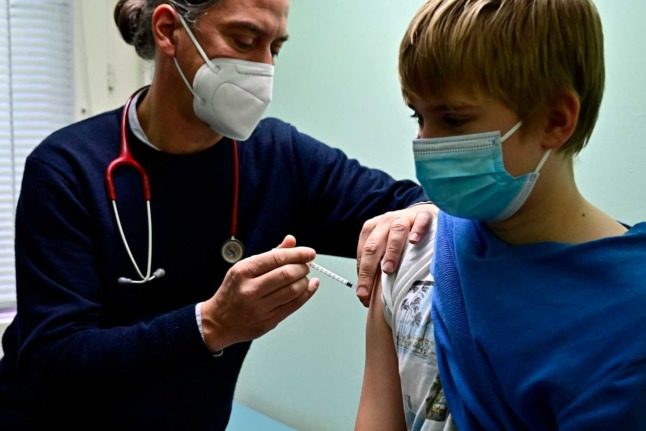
<point x="60" y="333"/>
<point x="340" y="194"/>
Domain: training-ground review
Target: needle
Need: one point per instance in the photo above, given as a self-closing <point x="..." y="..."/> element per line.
<point x="330" y="274"/>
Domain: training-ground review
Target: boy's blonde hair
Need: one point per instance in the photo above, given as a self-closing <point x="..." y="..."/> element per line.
<point x="524" y="52"/>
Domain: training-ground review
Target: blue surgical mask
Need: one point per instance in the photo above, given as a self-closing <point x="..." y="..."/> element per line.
<point x="465" y="176"/>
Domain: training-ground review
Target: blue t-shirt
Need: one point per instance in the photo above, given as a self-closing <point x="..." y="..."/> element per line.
<point x="543" y="336"/>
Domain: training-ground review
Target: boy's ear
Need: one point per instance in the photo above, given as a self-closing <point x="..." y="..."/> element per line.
<point x="562" y="119"/>
<point x="164" y="27"/>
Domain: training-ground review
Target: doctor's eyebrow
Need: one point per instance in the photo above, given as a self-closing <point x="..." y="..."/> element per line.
<point x="253" y="28"/>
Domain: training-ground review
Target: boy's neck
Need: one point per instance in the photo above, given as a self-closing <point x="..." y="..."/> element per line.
<point x="557" y="212"/>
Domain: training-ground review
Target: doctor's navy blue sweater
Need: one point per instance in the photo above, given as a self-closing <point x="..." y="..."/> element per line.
<point x="86" y="350"/>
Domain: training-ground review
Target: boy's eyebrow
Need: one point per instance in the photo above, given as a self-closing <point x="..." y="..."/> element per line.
<point x="451" y="106"/>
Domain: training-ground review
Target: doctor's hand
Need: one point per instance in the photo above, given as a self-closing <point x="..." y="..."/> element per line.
<point x="257" y="293"/>
<point x="383" y="240"/>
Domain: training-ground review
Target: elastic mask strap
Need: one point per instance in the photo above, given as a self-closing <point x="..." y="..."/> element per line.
<point x="514" y="130"/>
<point x="196" y="43"/>
<point x="511" y="131"/>
<point x="543" y="160"/>
<point x="188" y="84"/>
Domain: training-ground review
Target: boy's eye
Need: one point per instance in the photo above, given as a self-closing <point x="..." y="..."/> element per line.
<point x="453" y="121"/>
<point x="420" y="120"/>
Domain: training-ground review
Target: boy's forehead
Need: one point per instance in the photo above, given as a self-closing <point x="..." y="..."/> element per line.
<point x="450" y="95"/>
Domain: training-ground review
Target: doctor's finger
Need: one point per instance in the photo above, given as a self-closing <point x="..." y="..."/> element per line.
<point x="288" y="242"/>
<point x="258" y="265"/>
<point x="286" y="294"/>
<point x="369" y="261"/>
<point x="423" y="220"/>
<point x="281" y="312"/>
<point x="280" y="278"/>
<point x="366" y="231"/>
<point x="395" y="244"/>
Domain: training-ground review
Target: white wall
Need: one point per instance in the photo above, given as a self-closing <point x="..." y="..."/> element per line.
<point x="106" y="69"/>
<point x="610" y="170"/>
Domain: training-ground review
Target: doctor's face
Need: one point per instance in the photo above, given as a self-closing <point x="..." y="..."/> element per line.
<point x="252" y="30"/>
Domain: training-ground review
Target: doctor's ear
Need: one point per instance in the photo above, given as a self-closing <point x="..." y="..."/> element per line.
<point x="562" y="117"/>
<point x="165" y="28"/>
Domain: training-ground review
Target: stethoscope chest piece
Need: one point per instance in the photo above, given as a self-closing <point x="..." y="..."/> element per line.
<point x="232" y="250"/>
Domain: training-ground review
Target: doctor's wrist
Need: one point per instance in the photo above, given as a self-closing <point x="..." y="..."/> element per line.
<point x="215" y="352"/>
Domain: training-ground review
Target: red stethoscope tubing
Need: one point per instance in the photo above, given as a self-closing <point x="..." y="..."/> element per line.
<point x="125" y="159"/>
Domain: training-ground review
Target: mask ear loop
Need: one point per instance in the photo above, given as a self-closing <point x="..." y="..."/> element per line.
<point x="543" y="160"/>
<point x="197" y="45"/>
<point x="188" y="84"/>
<point x="514" y="130"/>
<point x="511" y="131"/>
<point x="200" y="51"/>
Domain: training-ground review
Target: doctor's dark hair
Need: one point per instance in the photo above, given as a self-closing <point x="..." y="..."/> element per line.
<point x="134" y="20"/>
<point x="522" y="52"/>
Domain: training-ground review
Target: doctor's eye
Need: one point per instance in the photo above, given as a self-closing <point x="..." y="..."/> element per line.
<point x="244" y="44"/>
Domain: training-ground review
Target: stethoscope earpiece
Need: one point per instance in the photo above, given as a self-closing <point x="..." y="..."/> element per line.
<point x="159" y="273"/>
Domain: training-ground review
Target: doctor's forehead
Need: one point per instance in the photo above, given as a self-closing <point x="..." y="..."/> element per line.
<point x="263" y="16"/>
<point x="277" y="9"/>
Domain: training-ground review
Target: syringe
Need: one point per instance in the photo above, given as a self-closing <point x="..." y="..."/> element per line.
<point x="330" y="274"/>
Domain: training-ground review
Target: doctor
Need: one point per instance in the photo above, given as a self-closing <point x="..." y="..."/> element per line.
<point x="146" y="237"/>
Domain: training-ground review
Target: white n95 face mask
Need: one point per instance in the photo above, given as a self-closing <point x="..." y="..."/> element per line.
<point x="229" y="95"/>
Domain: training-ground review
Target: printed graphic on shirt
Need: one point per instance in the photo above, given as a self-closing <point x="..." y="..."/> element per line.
<point x="414" y="326"/>
<point x="425" y="406"/>
<point x="436" y="408"/>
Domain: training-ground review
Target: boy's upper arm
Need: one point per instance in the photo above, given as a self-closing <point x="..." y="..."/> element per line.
<point x="381" y="405"/>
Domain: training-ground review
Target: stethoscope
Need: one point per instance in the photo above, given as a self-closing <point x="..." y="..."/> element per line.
<point x="232" y="250"/>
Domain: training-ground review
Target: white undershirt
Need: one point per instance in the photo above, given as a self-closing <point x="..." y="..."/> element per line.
<point x="135" y="125"/>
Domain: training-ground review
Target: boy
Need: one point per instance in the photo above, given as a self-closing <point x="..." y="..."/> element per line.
<point x="539" y="295"/>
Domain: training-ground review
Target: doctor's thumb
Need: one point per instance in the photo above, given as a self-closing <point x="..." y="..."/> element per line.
<point x="288" y="242"/>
